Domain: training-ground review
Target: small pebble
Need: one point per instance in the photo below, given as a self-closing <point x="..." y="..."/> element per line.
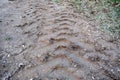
<point x="23" y="46"/>
<point x="93" y="77"/>
<point x="75" y="66"/>
<point x="21" y="65"/>
<point x="8" y="55"/>
<point x="31" y="79"/>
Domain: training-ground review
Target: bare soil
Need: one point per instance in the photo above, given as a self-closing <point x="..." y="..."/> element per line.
<point x="43" y="40"/>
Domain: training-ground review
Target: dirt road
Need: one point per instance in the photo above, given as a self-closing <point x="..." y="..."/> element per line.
<point x="43" y="40"/>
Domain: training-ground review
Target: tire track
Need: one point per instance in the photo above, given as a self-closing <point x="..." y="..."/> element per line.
<point x="63" y="45"/>
<point x="63" y="41"/>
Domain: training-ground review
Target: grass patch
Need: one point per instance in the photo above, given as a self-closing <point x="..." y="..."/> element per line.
<point x="106" y="12"/>
<point x="57" y="1"/>
<point x="8" y="37"/>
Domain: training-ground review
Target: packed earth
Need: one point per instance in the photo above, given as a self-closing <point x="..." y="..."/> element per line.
<point x="45" y="40"/>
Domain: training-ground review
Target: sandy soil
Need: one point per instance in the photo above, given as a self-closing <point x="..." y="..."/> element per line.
<point x="42" y="40"/>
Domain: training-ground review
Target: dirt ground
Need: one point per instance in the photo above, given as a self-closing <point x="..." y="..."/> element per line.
<point x="43" y="40"/>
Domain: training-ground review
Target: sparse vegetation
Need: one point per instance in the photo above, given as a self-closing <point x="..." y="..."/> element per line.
<point x="106" y="12"/>
<point x="8" y="37"/>
<point x="57" y="1"/>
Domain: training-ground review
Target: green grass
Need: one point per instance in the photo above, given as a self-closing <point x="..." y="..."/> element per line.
<point x="57" y="1"/>
<point x="8" y="37"/>
<point x="116" y="8"/>
<point x="106" y="12"/>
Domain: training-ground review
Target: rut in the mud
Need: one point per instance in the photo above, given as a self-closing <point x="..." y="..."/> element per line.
<point x="52" y="42"/>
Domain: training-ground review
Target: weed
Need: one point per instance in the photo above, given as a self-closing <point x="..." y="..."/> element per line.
<point x="57" y="1"/>
<point x="8" y="37"/>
